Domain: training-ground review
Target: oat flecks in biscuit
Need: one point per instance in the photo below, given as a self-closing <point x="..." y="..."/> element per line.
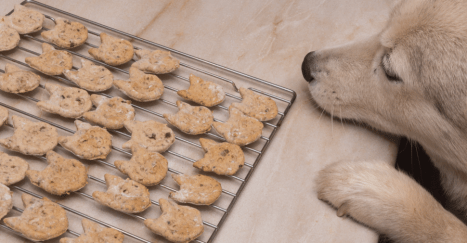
<point x="240" y="129"/>
<point x="91" y="77"/>
<point x="66" y="101"/>
<point x="178" y="224"/>
<point x="12" y="169"/>
<point x="16" y="80"/>
<point x="51" y="61"/>
<point x="61" y="176"/>
<point x="152" y="135"/>
<point x="95" y="233"/>
<point x="141" y="87"/>
<point x="9" y="37"/>
<point x="197" y="189"/>
<point x="31" y="138"/>
<point x="203" y="92"/>
<point x="89" y="142"/>
<point x="113" y="51"/>
<point x="158" y="61"/>
<point x="66" y="34"/>
<point x="3" y="115"/>
<point x="257" y="106"/>
<point x="41" y="220"/>
<point x="110" y="112"/>
<point x="123" y="195"/>
<point x="24" y="20"/>
<point x="220" y="158"/>
<point x="147" y="168"/>
<point x="6" y="202"/>
<point x="189" y="119"/>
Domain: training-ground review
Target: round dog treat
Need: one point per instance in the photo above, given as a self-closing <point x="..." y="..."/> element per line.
<point x="126" y="196"/>
<point x="89" y="142"/>
<point x="61" y="176"/>
<point x="158" y="61"/>
<point x="9" y="37"/>
<point x="113" y="51"/>
<point x="3" y="115"/>
<point x="12" y="169"/>
<point x="24" y="20"/>
<point x="141" y="87"/>
<point x="220" y="158"/>
<point x="257" y="106"/>
<point x="66" y="101"/>
<point x="41" y="220"/>
<point x="6" y="202"/>
<point x="178" y="224"/>
<point x="198" y="189"/>
<point x="239" y="129"/>
<point x="91" y="77"/>
<point x="147" y="168"/>
<point x="94" y="233"/>
<point x="189" y="119"/>
<point x="31" y="138"/>
<point x="66" y="34"/>
<point x="110" y="112"/>
<point x="51" y="61"/>
<point x="203" y="92"/>
<point x="152" y="135"/>
<point x="16" y="80"/>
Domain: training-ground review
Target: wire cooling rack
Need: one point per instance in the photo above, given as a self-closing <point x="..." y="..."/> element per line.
<point x="181" y="155"/>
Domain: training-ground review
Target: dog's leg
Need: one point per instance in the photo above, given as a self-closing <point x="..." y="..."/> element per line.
<point x="389" y="201"/>
<point x="455" y="183"/>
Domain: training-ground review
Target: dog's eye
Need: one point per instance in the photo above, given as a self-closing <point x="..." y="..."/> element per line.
<point x="390" y="74"/>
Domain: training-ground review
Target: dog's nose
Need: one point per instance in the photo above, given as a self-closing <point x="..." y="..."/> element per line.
<point x="306" y="67"/>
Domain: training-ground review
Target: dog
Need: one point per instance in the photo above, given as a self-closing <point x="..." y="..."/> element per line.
<point x="408" y="80"/>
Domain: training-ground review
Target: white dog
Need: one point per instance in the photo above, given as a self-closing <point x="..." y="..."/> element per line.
<point x="410" y="80"/>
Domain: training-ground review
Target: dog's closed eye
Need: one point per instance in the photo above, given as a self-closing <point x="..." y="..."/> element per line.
<point x="388" y="70"/>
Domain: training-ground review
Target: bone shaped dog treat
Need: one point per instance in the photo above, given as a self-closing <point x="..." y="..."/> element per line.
<point x="113" y="51"/>
<point x="16" y="80"/>
<point x="203" y="92"/>
<point x="141" y="87"/>
<point x="152" y="135"/>
<point x="257" y="106"/>
<point x="91" y="77"/>
<point x="12" y="169"/>
<point x="66" y="34"/>
<point x="158" y="61"/>
<point x="110" y="112"/>
<point x="94" y="233"/>
<point x="51" y="61"/>
<point x="239" y="129"/>
<point x="66" y="101"/>
<point x="24" y="20"/>
<point x="220" y="158"/>
<point x="189" y="119"/>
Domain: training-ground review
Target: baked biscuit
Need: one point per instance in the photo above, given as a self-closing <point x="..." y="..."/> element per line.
<point x="158" y="61"/>
<point x="3" y="115"/>
<point x="239" y="129"/>
<point x="151" y="135"/>
<point x="24" y="20"/>
<point x="12" y="169"/>
<point x="9" y="37"/>
<point x="6" y="202"/>
<point x="66" y="101"/>
<point x="95" y="233"/>
<point x="31" y="138"/>
<point x="61" y="176"/>
<point x="192" y="120"/>
<point x="141" y="87"/>
<point x="147" y="168"/>
<point x="51" y="61"/>
<point x="220" y="158"/>
<point x="126" y="196"/>
<point x="113" y="51"/>
<point x="178" y="224"/>
<point x="257" y="106"/>
<point x="66" y="34"/>
<point x="16" y="80"/>
<point x="197" y="189"/>
<point x="91" y="77"/>
<point x="88" y="142"/>
<point x="203" y="92"/>
<point x="41" y="220"/>
<point x="110" y="112"/>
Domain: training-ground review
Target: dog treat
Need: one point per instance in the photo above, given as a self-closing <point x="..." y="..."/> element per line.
<point x="126" y="196"/>
<point x="189" y="119"/>
<point x="41" y="220"/>
<point x="12" y="169"/>
<point x="6" y="202"/>
<point x="66" y="101"/>
<point x="220" y="158"/>
<point x="178" y="224"/>
<point x="16" y="80"/>
<point x="257" y="106"/>
<point x="61" y="176"/>
<point x="147" y="168"/>
<point x="113" y="51"/>
<point x="66" y="34"/>
<point x="9" y="37"/>
<point x="91" y="77"/>
<point x="239" y="129"/>
<point x="203" y="92"/>
<point x="31" y="138"/>
<point x="95" y="233"/>
<point x="51" y="61"/>
<point x="152" y="135"/>
<point x="197" y="189"/>
<point x="3" y="115"/>
<point x="141" y="87"/>
<point x="24" y="20"/>
<point x="110" y="112"/>
<point x="89" y="142"/>
<point x="158" y="61"/>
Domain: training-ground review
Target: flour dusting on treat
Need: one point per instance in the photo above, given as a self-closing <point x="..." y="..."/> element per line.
<point x="9" y="37"/>
<point x="12" y="169"/>
<point x="239" y="129"/>
<point x="16" y="80"/>
<point x="51" y="61"/>
<point x="95" y="233"/>
<point x="257" y="106"/>
<point x="220" y="158"/>
<point x="24" y="20"/>
<point x="6" y="201"/>
<point x="113" y="51"/>
<point x="189" y="119"/>
<point x="66" y="101"/>
<point x="66" y="34"/>
<point x="158" y="61"/>
<point x="197" y="189"/>
<point x="3" y="115"/>
<point x="152" y="135"/>
<point x="203" y="92"/>
<point x="91" y="77"/>
<point x="110" y="112"/>
<point x="141" y="87"/>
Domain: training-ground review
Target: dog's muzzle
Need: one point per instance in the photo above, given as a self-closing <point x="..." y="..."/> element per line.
<point x="306" y="67"/>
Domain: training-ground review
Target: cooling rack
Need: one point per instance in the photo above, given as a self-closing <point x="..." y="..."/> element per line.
<point x="181" y="155"/>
